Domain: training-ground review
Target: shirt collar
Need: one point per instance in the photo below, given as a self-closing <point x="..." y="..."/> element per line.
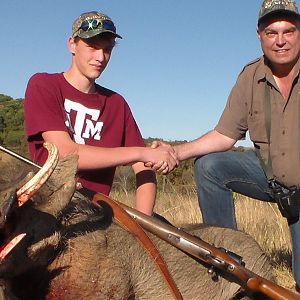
<point x="264" y="72"/>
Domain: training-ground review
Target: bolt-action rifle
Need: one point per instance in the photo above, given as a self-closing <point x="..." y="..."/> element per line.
<point x="219" y="259"/>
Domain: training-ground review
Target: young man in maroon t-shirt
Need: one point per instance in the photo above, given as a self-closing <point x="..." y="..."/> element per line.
<point x="70" y="110"/>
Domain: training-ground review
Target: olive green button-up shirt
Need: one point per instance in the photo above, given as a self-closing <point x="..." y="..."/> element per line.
<point x="245" y="111"/>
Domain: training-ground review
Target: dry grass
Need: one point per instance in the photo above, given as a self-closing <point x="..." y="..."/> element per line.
<point x="261" y="220"/>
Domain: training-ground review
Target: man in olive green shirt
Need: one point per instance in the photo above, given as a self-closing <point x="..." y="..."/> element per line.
<point x="266" y="102"/>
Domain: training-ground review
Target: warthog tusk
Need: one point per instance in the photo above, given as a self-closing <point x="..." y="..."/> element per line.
<point x="29" y="188"/>
<point x="5" y="250"/>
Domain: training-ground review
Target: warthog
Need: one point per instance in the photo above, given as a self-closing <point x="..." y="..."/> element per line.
<point x="72" y="250"/>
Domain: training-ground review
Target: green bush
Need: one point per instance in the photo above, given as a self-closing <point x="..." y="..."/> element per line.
<point x="12" y="134"/>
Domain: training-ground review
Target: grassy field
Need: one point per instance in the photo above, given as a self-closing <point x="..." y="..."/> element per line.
<point x="261" y="220"/>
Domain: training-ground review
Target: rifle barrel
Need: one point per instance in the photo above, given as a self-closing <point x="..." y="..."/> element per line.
<point x="18" y="156"/>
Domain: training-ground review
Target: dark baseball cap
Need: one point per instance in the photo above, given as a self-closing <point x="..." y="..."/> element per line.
<point x="92" y="23"/>
<point x="277" y="8"/>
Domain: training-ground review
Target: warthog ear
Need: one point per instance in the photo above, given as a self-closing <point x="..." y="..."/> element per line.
<point x="57" y="192"/>
<point x="13" y="172"/>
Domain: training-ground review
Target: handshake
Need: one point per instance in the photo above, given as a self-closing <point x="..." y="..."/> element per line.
<point x="162" y="157"/>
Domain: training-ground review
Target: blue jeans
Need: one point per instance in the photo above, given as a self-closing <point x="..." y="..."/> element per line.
<point x="218" y="175"/>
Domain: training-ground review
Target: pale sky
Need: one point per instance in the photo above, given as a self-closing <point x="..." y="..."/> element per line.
<point x="175" y="65"/>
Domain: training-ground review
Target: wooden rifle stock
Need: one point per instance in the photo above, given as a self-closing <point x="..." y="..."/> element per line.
<point x="216" y="257"/>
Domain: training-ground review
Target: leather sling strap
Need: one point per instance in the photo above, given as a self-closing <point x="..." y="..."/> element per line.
<point x="130" y="225"/>
<point x="268" y="166"/>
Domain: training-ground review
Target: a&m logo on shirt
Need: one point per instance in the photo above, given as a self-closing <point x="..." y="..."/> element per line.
<point x="85" y="123"/>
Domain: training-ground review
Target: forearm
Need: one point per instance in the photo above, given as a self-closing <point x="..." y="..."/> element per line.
<point x="145" y="188"/>
<point x="145" y="198"/>
<point x="212" y="141"/>
<point x="94" y="157"/>
<point x="99" y="157"/>
<point x="91" y="157"/>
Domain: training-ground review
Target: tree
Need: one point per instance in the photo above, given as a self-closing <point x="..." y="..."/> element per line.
<point x="12" y="132"/>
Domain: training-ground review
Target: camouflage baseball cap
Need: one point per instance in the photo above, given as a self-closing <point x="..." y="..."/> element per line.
<point x="280" y="7"/>
<point x="92" y="23"/>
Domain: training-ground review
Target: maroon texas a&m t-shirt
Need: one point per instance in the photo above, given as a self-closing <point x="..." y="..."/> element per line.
<point x="101" y="119"/>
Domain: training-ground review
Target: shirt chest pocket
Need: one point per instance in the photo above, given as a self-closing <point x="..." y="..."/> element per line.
<point x="257" y="128"/>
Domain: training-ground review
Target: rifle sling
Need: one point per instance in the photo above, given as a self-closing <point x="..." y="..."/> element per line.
<point x="267" y="167"/>
<point x="287" y="198"/>
<point x="132" y="226"/>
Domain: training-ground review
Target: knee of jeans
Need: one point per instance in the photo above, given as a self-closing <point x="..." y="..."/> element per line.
<point x="203" y="165"/>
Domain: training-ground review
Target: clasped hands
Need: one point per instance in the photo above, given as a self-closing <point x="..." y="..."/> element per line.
<point x="163" y="158"/>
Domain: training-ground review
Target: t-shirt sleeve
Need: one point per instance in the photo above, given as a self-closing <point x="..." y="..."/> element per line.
<point x="233" y="121"/>
<point x="42" y="108"/>
<point x="132" y="135"/>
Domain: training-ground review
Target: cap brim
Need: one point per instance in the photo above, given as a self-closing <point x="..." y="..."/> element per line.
<point x="92" y="33"/>
<point x="278" y="13"/>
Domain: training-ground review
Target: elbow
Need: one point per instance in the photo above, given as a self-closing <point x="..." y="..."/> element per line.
<point x="69" y="149"/>
<point x="225" y="143"/>
<point x="229" y="145"/>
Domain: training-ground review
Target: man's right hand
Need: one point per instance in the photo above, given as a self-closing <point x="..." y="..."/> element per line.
<point x="166" y="165"/>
